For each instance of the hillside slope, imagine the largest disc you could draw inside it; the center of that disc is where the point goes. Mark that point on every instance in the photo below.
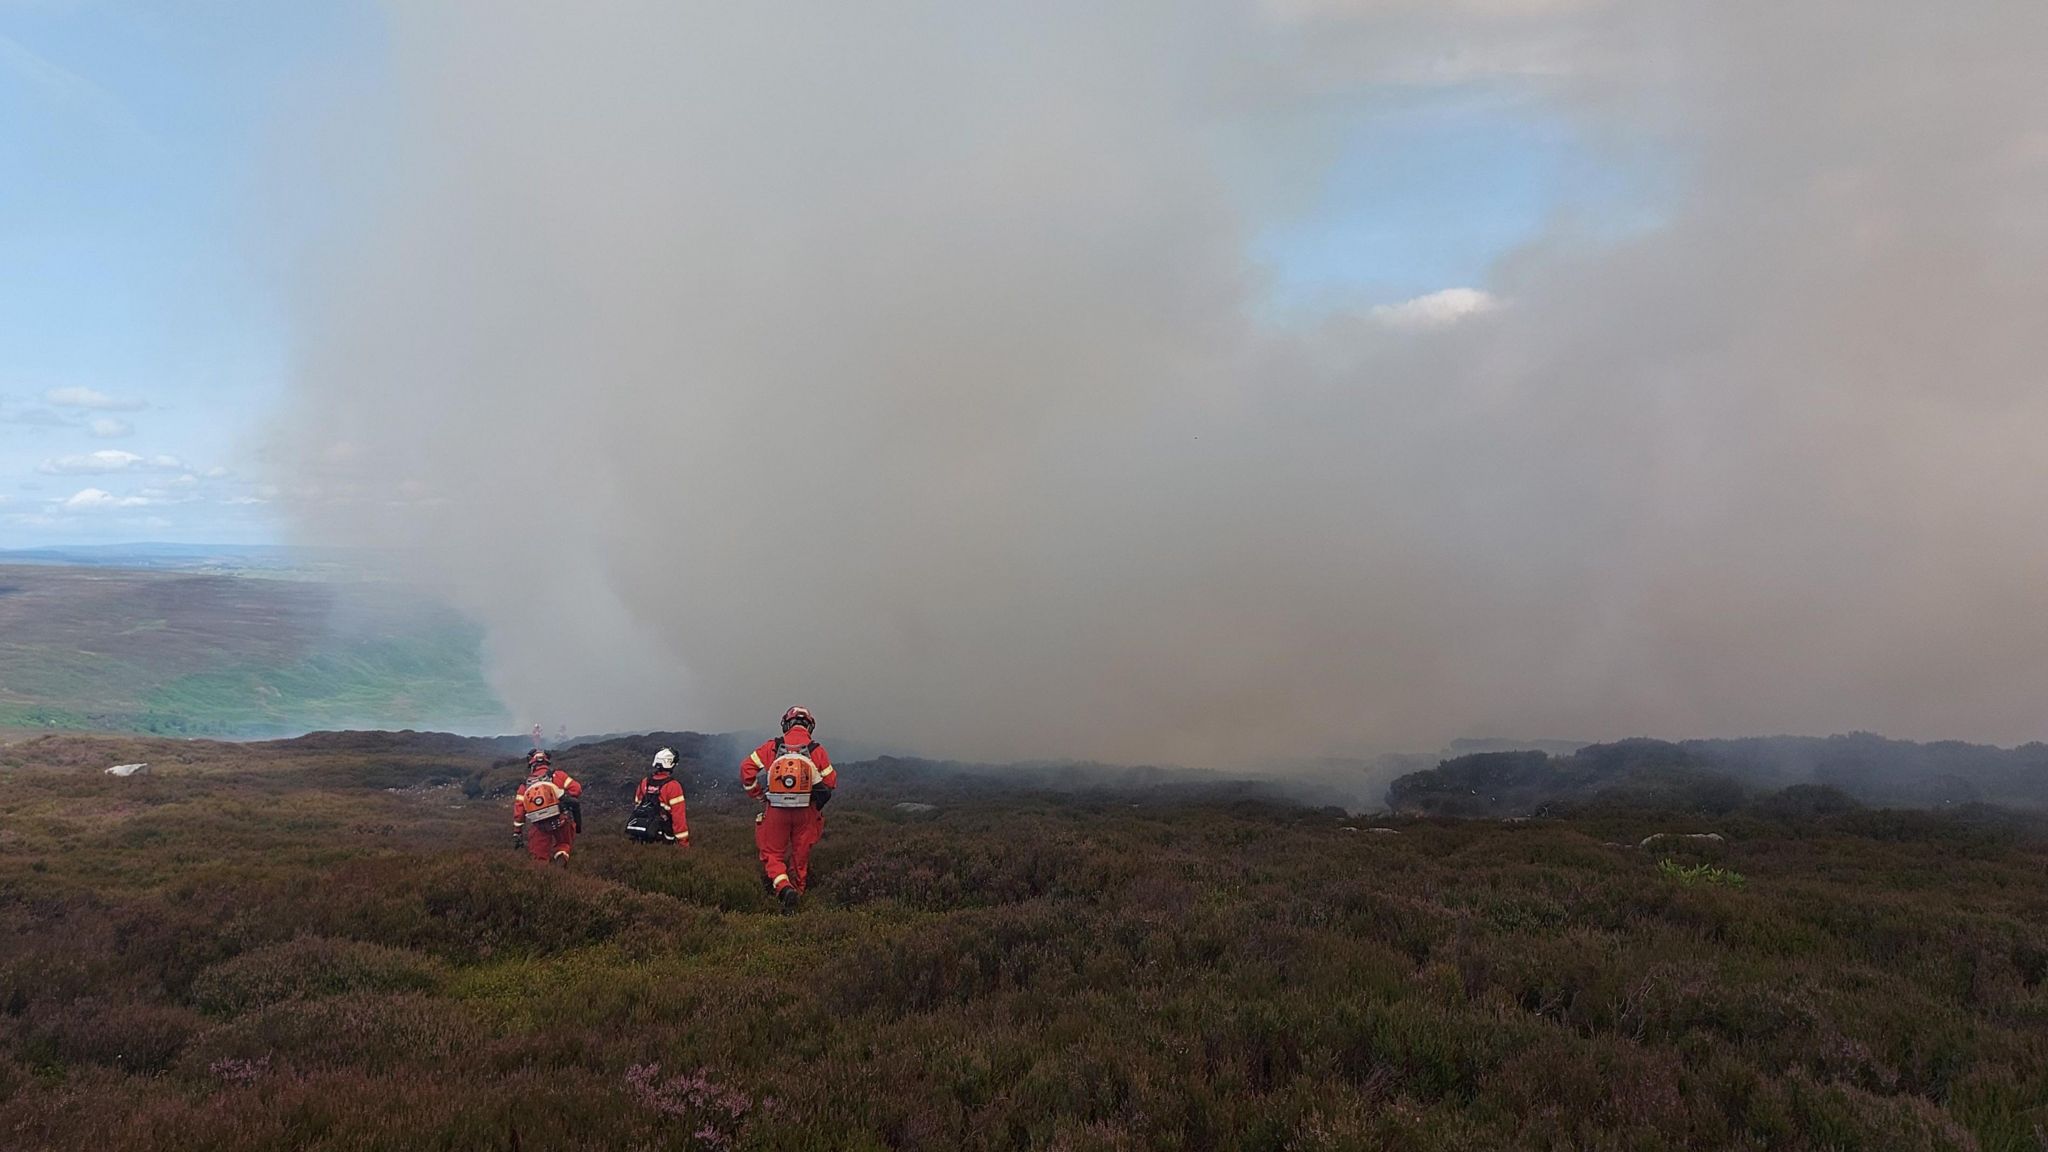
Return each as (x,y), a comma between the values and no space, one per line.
(224,655)
(1715,775)
(330,943)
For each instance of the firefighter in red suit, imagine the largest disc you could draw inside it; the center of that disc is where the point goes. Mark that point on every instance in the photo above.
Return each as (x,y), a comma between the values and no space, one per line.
(546,811)
(662,787)
(792,776)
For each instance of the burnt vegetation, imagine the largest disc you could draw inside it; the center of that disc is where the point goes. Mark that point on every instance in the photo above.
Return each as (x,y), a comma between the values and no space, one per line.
(1723,775)
(328,943)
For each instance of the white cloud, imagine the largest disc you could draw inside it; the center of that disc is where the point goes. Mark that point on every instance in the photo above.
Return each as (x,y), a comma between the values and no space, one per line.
(108,460)
(104,460)
(1436,310)
(89,398)
(107,427)
(95,499)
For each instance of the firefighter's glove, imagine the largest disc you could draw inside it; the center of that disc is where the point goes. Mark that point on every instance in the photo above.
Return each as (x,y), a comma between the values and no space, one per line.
(518,836)
(820,797)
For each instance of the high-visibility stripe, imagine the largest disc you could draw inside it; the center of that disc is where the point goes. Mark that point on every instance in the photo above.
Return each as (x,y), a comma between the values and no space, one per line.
(825,771)
(781,881)
(682,835)
(671,803)
(547,813)
(756,758)
(789,799)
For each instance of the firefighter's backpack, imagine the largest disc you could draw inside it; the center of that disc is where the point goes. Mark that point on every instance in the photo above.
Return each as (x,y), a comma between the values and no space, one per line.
(543,804)
(649,821)
(791,775)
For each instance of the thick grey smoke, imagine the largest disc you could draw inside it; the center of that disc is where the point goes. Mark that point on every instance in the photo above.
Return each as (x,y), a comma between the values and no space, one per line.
(906,360)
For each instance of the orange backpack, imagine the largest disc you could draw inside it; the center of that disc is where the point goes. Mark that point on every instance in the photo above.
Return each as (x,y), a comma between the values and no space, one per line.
(543,802)
(791,775)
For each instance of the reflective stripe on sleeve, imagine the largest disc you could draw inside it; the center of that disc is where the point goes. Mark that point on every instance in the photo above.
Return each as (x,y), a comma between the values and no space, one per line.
(756,758)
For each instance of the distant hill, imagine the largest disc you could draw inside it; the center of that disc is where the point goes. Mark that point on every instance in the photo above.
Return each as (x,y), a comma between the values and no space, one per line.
(178,650)
(1718,774)
(177,557)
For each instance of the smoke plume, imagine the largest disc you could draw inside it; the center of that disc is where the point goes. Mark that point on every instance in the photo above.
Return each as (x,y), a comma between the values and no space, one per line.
(908,361)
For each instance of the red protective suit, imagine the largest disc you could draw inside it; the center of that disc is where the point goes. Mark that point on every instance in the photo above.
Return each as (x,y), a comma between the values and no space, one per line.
(668,791)
(788,825)
(537,808)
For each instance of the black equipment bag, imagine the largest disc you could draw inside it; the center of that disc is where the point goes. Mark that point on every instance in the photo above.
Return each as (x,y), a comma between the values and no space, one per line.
(649,821)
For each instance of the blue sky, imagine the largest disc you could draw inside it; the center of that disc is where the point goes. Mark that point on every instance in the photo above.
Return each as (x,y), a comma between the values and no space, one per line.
(142,346)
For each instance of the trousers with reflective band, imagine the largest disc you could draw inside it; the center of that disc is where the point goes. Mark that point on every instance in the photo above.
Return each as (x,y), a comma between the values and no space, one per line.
(783,838)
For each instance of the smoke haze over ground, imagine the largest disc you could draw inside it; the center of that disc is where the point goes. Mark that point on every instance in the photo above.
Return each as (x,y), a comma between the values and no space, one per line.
(909,361)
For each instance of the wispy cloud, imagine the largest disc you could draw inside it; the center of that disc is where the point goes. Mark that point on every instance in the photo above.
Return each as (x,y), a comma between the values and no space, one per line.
(107,461)
(34,418)
(58,85)
(109,428)
(93,398)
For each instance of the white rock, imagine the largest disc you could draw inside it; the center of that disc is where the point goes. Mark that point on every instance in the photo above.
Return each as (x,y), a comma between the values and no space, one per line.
(1659,837)
(127,769)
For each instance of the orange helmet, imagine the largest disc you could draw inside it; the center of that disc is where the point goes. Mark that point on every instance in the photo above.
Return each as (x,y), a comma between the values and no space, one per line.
(799,715)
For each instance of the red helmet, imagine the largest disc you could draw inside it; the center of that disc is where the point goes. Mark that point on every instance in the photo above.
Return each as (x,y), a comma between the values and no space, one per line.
(799,715)
(536,759)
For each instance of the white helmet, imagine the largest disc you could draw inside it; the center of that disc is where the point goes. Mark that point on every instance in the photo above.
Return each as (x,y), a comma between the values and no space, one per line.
(665,759)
